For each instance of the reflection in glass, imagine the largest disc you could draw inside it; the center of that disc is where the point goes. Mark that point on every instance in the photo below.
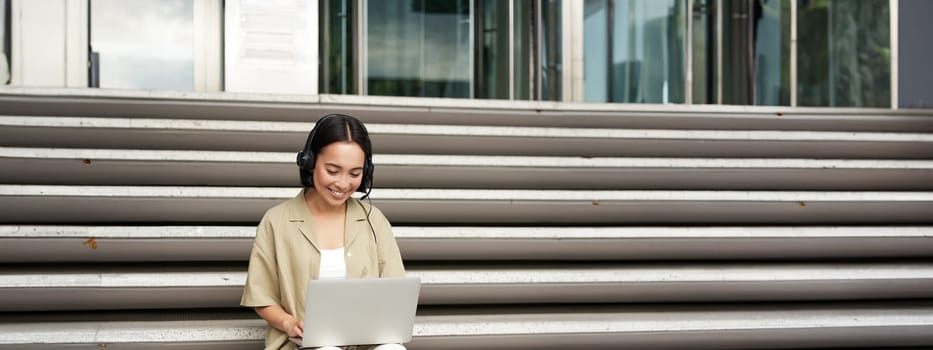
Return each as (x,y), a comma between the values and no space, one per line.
(337,47)
(704,52)
(492,59)
(844,55)
(5,41)
(418,48)
(772,53)
(645,59)
(549,41)
(596,50)
(756,52)
(522,48)
(143,44)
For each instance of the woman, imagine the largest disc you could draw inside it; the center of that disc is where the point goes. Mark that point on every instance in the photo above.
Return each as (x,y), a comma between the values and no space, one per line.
(321,233)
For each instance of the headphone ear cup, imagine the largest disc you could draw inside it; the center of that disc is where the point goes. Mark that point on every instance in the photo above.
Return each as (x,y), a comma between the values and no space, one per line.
(306,165)
(301,160)
(305,161)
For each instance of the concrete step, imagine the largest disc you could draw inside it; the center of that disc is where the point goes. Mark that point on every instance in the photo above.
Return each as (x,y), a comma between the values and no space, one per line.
(104,287)
(65,166)
(75,244)
(408,110)
(712,326)
(264,136)
(39,204)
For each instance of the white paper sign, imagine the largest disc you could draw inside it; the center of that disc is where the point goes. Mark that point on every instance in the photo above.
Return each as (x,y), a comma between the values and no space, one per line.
(271,46)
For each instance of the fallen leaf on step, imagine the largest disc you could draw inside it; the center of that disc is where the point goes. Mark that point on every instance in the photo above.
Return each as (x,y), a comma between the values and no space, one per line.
(91,242)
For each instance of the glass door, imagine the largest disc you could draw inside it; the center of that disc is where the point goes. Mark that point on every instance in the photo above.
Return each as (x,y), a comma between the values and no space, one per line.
(418,48)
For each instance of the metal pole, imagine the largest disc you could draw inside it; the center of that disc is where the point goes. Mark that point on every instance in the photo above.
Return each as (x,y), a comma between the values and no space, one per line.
(511,67)
(688,52)
(359,31)
(610,37)
(719,52)
(894,52)
(793,53)
(539,52)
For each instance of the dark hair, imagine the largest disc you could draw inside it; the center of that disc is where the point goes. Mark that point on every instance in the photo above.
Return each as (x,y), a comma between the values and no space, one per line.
(333,128)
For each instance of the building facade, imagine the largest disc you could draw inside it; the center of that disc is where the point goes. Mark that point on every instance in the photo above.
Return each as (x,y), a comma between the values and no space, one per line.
(737,52)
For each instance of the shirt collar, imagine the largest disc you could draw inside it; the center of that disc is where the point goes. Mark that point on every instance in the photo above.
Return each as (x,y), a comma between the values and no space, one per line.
(299,213)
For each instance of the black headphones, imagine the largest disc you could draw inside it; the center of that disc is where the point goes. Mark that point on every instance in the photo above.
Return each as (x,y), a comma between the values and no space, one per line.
(306,157)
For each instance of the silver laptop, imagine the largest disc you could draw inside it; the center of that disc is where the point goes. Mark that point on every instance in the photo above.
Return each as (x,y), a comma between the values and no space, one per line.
(359,311)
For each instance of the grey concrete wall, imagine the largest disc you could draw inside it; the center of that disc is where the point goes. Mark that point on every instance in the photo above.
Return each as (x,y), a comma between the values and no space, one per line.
(915,59)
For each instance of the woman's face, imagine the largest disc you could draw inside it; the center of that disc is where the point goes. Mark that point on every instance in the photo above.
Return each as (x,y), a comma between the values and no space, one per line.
(338,171)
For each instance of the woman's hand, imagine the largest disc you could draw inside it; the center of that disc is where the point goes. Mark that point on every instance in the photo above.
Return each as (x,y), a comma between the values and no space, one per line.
(293,327)
(282,320)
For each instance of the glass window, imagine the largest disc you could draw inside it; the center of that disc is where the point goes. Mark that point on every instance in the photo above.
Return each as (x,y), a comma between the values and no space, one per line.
(418,48)
(337,47)
(844,53)
(142,44)
(645,55)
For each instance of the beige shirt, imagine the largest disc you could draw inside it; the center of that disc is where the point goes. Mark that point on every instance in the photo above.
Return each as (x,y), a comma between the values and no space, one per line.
(286,255)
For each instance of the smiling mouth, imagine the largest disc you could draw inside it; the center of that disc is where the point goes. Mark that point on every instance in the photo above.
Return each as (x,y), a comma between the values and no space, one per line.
(338,194)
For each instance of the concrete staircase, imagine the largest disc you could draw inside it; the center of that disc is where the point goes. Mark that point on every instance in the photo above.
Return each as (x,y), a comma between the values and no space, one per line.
(126,219)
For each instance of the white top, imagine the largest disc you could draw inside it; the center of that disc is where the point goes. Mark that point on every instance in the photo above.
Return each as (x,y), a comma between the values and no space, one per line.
(333,266)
